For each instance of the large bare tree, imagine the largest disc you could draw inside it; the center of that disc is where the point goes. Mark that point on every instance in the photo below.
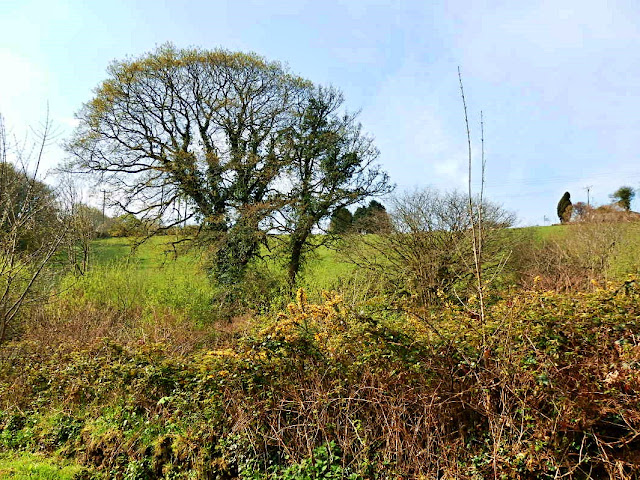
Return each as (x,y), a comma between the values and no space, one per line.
(428,252)
(237,138)
(194,126)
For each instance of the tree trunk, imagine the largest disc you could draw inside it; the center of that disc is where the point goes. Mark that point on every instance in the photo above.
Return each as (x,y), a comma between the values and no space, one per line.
(296,244)
(294,261)
(3,329)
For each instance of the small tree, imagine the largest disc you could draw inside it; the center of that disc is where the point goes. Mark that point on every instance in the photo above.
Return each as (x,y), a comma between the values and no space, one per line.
(564,208)
(85,222)
(31,230)
(330,163)
(427,252)
(372,219)
(127,225)
(623,197)
(581,212)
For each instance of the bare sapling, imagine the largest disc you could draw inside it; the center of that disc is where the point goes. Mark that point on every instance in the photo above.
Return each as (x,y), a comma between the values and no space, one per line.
(475,217)
(31,231)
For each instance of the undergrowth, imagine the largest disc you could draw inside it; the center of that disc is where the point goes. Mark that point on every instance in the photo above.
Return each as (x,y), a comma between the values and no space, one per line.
(548,387)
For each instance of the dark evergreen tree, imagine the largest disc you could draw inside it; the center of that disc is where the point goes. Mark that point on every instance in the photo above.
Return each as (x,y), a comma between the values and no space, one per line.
(564,208)
(358,218)
(341,221)
(372,218)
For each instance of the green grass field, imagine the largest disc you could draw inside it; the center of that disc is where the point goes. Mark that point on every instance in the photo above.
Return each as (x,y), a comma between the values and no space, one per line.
(151,278)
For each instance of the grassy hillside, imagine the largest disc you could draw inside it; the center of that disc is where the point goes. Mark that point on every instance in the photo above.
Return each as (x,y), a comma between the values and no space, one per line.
(151,278)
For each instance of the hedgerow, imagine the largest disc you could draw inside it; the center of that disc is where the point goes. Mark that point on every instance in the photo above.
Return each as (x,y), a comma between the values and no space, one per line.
(546,387)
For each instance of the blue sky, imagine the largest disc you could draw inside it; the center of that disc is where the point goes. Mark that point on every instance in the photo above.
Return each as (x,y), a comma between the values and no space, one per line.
(558,82)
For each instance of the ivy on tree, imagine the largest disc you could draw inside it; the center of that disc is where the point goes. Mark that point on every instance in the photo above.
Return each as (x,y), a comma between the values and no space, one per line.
(330,165)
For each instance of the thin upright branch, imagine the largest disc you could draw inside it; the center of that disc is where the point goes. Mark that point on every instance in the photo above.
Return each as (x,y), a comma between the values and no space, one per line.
(475,232)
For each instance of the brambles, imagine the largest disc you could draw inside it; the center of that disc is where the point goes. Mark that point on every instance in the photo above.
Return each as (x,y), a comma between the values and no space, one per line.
(548,388)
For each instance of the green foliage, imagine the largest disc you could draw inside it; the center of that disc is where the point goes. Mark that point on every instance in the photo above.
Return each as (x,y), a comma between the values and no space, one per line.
(623,197)
(372,219)
(324,464)
(341,220)
(127,225)
(31,232)
(29,467)
(330,164)
(220,131)
(328,385)
(23,197)
(178,287)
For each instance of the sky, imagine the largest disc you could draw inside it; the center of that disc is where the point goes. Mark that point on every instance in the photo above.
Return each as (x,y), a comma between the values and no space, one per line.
(558,82)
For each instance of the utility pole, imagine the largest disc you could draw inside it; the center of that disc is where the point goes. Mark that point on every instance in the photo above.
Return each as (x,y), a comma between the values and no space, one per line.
(104,201)
(588,189)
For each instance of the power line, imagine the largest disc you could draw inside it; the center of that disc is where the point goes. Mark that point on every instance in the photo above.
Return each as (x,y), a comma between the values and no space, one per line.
(560,179)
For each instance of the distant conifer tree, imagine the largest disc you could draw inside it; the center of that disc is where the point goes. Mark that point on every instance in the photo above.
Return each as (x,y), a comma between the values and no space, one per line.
(340,220)
(564,208)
